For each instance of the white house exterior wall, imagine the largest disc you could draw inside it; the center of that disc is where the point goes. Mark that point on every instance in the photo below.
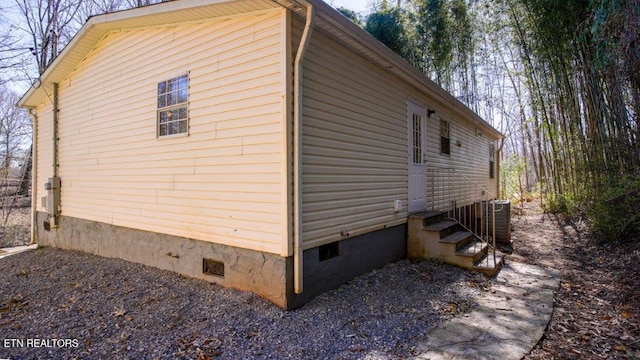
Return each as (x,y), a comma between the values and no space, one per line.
(462,175)
(45,151)
(223,182)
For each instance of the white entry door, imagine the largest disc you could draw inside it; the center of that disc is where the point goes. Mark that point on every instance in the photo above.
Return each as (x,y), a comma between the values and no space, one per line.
(417,125)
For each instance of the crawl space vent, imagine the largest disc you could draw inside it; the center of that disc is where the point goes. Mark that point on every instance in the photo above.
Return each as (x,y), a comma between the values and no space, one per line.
(212,267)
(329,251)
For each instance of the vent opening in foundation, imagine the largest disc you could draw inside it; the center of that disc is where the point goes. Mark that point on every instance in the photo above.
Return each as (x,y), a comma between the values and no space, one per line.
(329,251)
(212,267)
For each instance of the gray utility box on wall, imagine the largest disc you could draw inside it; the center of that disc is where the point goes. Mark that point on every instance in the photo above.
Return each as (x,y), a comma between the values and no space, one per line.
(53,195)
(503,218)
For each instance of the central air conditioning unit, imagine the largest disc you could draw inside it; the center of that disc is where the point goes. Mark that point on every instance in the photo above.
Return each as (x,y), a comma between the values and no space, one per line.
(502,218)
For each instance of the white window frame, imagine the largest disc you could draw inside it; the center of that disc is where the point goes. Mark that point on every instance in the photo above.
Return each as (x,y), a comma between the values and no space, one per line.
(172,107)
(445,137)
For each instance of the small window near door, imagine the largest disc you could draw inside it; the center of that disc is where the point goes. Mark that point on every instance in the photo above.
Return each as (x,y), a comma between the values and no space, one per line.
(417,140)
(445,140)
(492,161)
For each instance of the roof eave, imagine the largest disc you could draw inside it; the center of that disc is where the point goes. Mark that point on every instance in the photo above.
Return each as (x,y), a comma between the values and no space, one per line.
(388,60)
(95,29)
(330,20)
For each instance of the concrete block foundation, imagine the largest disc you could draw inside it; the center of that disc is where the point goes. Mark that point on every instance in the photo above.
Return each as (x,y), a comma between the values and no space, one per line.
(357,256)
(263,273)
(268,275)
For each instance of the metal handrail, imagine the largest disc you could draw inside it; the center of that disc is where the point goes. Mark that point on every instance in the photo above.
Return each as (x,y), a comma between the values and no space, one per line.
(446,184)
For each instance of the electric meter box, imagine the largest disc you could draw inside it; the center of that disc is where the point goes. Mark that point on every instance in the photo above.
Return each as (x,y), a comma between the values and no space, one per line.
(53,195)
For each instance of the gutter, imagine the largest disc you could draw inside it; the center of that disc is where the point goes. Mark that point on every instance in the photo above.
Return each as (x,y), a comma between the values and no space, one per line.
(297,152)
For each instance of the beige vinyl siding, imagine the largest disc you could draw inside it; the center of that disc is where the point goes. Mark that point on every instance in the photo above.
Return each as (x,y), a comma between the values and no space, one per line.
(286,133)
(221,183)
(462,175)
(44,159)
(354,138)
(355,156)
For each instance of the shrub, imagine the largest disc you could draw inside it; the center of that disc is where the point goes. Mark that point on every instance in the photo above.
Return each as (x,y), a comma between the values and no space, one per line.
(559,204)
(615,214)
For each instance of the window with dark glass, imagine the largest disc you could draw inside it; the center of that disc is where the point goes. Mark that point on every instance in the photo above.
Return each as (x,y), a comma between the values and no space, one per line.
(173,111)
(492,161)
(445,140)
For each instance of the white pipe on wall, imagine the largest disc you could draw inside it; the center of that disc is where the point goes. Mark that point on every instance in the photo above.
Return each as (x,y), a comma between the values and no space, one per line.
(297,153)
(34,176)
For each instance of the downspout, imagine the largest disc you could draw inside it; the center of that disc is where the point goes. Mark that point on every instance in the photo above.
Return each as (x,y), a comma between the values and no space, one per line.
(297,152)
(55,130)
(34,175)
(54,183)
(498,157)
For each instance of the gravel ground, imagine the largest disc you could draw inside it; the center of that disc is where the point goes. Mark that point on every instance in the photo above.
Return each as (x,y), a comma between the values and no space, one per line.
(17,231)
(109,308)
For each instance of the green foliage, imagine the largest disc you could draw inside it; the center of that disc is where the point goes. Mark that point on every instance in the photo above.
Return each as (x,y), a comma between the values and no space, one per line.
(435,28)
(604,31)
(615,214)
(435,36)
(511,171)
(560,204)
(351,15)
(461,30)
(394,28)
(387,27)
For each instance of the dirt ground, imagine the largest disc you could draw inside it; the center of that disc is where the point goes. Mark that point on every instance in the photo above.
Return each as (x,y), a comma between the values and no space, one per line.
(597,307)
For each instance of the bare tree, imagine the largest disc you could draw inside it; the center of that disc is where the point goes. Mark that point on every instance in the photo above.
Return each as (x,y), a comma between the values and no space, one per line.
(89,8)
(15,128)
(9,58)
(15,136)
(50,24)
(47,22)
(141,3)
(11,50)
